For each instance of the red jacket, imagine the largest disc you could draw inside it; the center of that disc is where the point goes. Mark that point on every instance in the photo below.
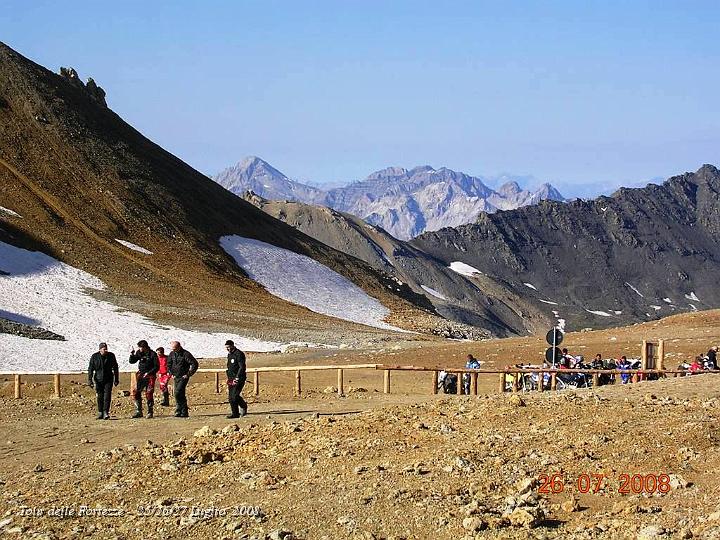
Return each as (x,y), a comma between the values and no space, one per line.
(163,364)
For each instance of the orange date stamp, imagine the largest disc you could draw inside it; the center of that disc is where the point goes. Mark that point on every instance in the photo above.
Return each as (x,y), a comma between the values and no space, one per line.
(596,482)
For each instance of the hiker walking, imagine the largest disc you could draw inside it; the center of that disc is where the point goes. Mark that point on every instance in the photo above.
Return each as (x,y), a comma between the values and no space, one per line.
(163,376)
(236,377)
(102,373)
(148,366)
(181,365)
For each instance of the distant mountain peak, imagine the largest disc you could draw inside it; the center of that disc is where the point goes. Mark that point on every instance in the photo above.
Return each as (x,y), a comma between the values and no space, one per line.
(387,172)
(405,202)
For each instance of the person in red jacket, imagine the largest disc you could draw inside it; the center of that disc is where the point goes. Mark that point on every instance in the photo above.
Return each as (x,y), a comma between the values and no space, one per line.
(697,365)
(163,376)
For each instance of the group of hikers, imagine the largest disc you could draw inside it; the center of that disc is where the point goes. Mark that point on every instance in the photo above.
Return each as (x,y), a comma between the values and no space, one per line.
(157,367)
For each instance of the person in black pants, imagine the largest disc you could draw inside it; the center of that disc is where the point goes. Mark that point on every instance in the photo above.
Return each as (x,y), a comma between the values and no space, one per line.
(182,365)
(236,377)
(148,366)
(102,373)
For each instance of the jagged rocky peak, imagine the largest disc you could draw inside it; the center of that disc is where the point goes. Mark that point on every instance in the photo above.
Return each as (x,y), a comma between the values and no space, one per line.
(91,88)
(388,172)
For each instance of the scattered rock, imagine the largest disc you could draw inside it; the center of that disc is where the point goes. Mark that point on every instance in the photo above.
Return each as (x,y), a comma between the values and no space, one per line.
(516,401)
(205,431)
(650,532)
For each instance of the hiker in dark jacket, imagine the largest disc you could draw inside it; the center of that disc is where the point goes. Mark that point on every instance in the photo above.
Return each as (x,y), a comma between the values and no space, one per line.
(712,357)
(148,366)
(181,365)
(236,377)
(102,373)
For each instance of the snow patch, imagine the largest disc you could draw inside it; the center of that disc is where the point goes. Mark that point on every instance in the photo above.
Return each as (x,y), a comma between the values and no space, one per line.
(9,212)
(693,307)
(433,292)
(464,269)
(548,302)
(134,247)
(42,291)
(667,300)
(561,325)
(617,312)
(304,281)
(634,289)
(656,308)
(530,286)
(692,296)
(601,313)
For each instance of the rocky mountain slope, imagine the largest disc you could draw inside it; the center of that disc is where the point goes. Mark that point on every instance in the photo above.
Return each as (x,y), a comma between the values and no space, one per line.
(469,299)
(636,255)
(403,202)
(74,178)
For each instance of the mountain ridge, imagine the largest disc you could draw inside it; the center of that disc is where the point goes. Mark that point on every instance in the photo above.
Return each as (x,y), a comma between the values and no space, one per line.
(405,202)
(655,250)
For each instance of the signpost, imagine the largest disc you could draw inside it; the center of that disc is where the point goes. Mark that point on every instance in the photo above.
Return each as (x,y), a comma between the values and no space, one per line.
(554,338)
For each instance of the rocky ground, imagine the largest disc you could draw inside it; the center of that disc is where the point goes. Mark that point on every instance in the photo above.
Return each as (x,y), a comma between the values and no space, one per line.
(372,465)
(27,330)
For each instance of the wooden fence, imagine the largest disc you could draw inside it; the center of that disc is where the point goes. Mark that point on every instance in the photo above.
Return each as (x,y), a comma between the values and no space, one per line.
(637,375)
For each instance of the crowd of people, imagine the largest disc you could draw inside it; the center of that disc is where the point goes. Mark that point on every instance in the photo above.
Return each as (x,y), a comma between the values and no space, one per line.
(153,366)
(448,382)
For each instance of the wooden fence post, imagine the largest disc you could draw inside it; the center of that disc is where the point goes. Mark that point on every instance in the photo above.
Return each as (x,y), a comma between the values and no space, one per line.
(217,383)
(502,383)
(387,381)
(661,355)
(256,383)
(340,385)
(58,391)
(596,380)
(541,382)
(435,382)
(515,382)
(18,390)
(474,383)
(461,384)
(298,387)
(553,381)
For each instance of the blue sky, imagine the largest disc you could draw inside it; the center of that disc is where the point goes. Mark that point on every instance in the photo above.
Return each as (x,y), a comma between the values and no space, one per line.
(587,95)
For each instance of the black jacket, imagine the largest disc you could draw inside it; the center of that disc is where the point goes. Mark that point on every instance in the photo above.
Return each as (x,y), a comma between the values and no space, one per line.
(103,369)
(236,365)
(712,358)
(147,362)
(182,363)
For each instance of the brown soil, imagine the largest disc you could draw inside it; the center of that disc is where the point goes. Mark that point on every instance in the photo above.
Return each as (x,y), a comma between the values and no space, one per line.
(371,465)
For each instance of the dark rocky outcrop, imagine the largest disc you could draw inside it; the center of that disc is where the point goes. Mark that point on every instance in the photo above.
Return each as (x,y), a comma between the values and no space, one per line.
(636,255)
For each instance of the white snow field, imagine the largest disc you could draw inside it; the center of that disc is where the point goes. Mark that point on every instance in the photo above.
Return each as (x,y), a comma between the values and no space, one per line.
(692,296)
(635,290)
(134,247)
(9,212)
(433,292)
(464,269)
(597,312)
(304,281)
(42,291)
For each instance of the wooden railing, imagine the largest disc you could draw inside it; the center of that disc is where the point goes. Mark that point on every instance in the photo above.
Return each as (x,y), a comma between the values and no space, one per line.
(636,375)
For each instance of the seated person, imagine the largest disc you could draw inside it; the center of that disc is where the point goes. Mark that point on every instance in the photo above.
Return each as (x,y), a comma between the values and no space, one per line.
(697,365)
